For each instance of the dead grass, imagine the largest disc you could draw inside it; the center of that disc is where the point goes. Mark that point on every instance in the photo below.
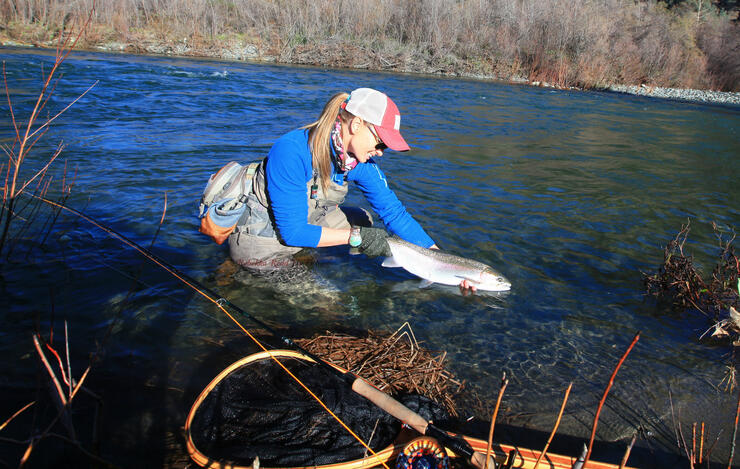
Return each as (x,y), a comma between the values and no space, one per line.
(597,43)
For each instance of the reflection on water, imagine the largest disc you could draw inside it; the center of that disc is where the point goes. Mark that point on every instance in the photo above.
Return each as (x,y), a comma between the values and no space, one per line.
(570,195)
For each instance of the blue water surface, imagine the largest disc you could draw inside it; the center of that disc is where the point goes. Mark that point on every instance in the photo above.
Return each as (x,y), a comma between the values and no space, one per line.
(572,195)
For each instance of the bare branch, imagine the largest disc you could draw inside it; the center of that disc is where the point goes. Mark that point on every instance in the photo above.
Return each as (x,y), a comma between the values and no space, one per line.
(54,157)
(69,364)
(8,153)
(10,105)
(52,375)
(78,386)
(5,424)
(46,124)
(555,428)
(603,398)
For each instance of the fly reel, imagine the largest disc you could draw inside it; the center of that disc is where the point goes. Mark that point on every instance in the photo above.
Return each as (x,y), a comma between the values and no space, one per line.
(423,453)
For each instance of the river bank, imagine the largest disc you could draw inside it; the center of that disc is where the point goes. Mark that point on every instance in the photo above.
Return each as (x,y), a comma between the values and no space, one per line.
(341,55)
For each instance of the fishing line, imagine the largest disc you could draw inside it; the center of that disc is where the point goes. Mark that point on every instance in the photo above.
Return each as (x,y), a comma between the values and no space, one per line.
(220,303)
(380,399)
(140,282)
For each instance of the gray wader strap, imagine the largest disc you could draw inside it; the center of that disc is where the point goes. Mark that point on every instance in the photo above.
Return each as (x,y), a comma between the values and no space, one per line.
(247,184)
(247,181)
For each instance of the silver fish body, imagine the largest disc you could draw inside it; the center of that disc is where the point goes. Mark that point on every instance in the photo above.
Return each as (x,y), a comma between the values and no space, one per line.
(440,267)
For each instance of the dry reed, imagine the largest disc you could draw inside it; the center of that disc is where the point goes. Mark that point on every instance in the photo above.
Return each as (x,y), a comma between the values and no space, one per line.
(606,392)
(555,428)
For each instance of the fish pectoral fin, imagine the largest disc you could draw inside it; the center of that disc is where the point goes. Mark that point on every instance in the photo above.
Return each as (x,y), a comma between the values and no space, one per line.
(425,283)
(391,262)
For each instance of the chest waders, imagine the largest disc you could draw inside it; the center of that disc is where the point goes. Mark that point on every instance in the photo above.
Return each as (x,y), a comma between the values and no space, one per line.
(256,244)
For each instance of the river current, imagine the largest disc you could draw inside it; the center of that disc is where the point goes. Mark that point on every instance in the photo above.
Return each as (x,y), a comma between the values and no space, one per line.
(572,195)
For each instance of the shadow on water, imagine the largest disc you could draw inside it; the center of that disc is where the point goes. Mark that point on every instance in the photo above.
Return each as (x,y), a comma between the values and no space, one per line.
(129,316)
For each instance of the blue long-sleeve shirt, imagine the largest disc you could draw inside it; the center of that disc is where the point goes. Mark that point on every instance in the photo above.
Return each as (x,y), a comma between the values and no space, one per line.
(288,170)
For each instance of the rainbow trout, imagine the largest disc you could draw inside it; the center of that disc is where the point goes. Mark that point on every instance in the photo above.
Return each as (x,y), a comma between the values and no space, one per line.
(439,267)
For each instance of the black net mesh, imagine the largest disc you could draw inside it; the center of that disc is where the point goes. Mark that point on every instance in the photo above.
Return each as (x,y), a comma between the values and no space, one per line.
(259,410)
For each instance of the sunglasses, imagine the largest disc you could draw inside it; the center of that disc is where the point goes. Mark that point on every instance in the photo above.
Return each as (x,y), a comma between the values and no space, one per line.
(379,145)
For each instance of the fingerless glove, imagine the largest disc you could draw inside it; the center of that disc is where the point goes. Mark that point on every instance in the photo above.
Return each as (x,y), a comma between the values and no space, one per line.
(374,242)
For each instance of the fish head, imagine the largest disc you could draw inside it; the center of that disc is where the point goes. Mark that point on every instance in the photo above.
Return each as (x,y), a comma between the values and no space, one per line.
(493,281)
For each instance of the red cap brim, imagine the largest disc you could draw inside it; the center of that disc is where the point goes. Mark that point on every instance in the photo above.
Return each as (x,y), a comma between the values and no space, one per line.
(392,138)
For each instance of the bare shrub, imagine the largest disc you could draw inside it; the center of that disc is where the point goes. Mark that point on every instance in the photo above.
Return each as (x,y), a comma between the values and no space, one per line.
(719,39)
(591,43)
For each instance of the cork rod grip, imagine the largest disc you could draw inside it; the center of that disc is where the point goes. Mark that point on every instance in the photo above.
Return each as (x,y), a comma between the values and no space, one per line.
(390,405)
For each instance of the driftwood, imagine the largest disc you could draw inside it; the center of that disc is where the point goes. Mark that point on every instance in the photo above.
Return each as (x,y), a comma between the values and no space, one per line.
(394,364)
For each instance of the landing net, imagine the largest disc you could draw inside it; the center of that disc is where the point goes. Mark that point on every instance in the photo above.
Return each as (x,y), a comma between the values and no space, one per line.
(255,409)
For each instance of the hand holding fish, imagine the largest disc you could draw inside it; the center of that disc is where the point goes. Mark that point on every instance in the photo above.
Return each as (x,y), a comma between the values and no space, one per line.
(374,242)
(466,286)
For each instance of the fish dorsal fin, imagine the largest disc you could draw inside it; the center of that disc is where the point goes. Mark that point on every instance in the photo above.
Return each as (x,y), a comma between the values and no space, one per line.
(391,262)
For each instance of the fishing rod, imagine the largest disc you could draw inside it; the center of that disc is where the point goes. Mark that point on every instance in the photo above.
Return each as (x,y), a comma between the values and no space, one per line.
(357,384)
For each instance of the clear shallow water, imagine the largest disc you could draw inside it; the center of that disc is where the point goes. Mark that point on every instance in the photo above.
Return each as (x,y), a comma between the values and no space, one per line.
(571,195)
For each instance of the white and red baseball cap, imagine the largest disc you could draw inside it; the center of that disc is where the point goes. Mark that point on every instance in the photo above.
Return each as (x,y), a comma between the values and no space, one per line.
(378,109)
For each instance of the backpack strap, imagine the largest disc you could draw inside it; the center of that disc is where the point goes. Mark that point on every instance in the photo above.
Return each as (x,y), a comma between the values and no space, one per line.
(247,181)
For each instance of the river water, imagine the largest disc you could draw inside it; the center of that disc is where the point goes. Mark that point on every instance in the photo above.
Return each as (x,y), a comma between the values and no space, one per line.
(572,195)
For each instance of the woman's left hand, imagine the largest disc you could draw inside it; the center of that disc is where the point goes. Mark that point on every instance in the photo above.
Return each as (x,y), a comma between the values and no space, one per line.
(465,286)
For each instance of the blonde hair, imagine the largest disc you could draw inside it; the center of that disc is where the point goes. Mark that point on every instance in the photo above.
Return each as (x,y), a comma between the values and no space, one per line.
(319,136)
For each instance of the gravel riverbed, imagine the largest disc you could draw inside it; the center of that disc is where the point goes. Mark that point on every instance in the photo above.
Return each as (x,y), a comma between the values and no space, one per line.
(706,96)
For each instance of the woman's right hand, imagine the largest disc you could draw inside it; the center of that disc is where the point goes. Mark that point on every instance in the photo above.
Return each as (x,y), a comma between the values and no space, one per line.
(374,242)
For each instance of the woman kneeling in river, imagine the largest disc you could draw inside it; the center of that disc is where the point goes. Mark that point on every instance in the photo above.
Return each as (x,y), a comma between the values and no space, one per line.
(298,189)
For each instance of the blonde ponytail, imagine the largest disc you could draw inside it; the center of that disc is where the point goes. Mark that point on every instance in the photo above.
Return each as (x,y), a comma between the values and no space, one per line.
(319,137)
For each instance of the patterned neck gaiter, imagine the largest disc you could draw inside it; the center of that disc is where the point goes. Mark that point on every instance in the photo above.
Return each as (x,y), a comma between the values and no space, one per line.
(343,161)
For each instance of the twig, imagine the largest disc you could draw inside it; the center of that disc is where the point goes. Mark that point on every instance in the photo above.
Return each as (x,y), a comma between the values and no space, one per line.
(701,444)
(27,453)
(5,424)
(10,105)
(673,418)
(683,440)
(69,364)
(557,423)
(603,398)
(692,459)
(711,448)
(395,363)
(627,452)
(504,383)
(78,386)
(164,210)
(42,170)
(734,432)
(46,124)
(52,375)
